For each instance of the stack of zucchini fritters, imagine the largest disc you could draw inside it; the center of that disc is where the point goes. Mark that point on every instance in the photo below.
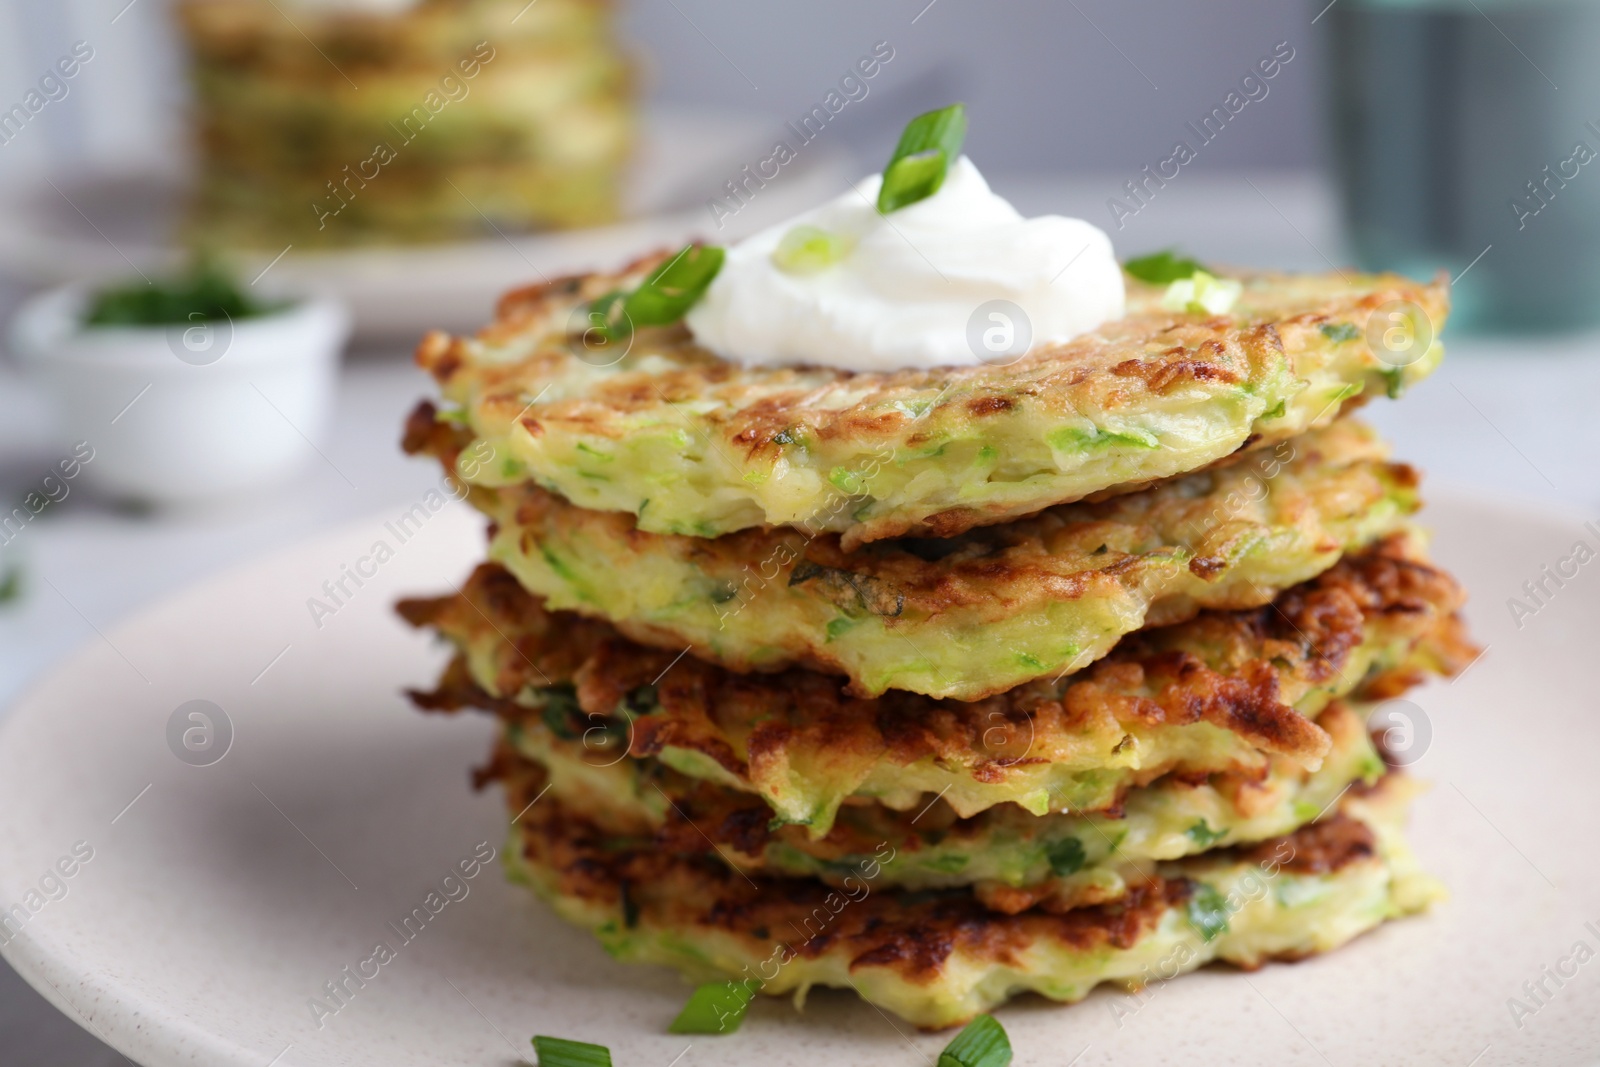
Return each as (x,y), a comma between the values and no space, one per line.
(947,685)
(338,124)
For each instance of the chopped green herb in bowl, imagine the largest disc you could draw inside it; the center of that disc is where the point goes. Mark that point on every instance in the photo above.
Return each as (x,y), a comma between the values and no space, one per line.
(204,292)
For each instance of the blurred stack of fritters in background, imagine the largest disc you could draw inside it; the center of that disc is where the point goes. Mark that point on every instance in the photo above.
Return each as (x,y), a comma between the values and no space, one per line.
(443,120)
(952,684)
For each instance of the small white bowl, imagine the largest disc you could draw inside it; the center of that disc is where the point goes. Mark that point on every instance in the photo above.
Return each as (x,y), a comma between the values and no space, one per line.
(179,415)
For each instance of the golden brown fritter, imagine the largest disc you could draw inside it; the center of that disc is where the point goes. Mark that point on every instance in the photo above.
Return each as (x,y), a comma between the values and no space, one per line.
(691,444)
(968,616)
(1012,860)
(938,958)
(1222,692)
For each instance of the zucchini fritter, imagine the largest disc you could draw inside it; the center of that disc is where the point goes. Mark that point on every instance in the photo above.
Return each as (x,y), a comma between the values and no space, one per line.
(691,444)
(972,615)
(939,958)
(473,118)
(1223,692)
(1013,860)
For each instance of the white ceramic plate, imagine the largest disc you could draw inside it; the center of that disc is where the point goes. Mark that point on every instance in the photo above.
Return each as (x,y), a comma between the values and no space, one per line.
(220,899)
(96,226)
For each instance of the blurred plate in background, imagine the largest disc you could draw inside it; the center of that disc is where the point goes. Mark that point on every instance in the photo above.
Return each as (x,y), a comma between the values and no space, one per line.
(99,227)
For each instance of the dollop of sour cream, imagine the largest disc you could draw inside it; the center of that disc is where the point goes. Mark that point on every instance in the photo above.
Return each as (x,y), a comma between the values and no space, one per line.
(933,284)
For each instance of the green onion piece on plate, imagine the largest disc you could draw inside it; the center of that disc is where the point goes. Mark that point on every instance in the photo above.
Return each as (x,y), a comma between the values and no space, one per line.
(559,1052)
(916,171)
(1159,268)
(983,1043)
(714,1008)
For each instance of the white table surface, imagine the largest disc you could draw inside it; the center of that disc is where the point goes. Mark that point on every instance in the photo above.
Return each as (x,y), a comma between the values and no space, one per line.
(1513,417)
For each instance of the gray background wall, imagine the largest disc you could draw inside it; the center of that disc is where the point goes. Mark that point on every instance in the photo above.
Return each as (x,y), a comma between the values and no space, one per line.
(1085,85)
(1046,82)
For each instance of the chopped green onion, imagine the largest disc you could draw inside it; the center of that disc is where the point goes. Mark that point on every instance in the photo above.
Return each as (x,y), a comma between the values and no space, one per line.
(663,297)
(608,321)
(559,1052)
(675,288)
(205,292)
(929,144)
(11,584)
(1207,911)
(809,250)
(983,1043)
(1202,294)
(1159,268)
(714,1008)
(1203,835)
(912,179)
(1066,857)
